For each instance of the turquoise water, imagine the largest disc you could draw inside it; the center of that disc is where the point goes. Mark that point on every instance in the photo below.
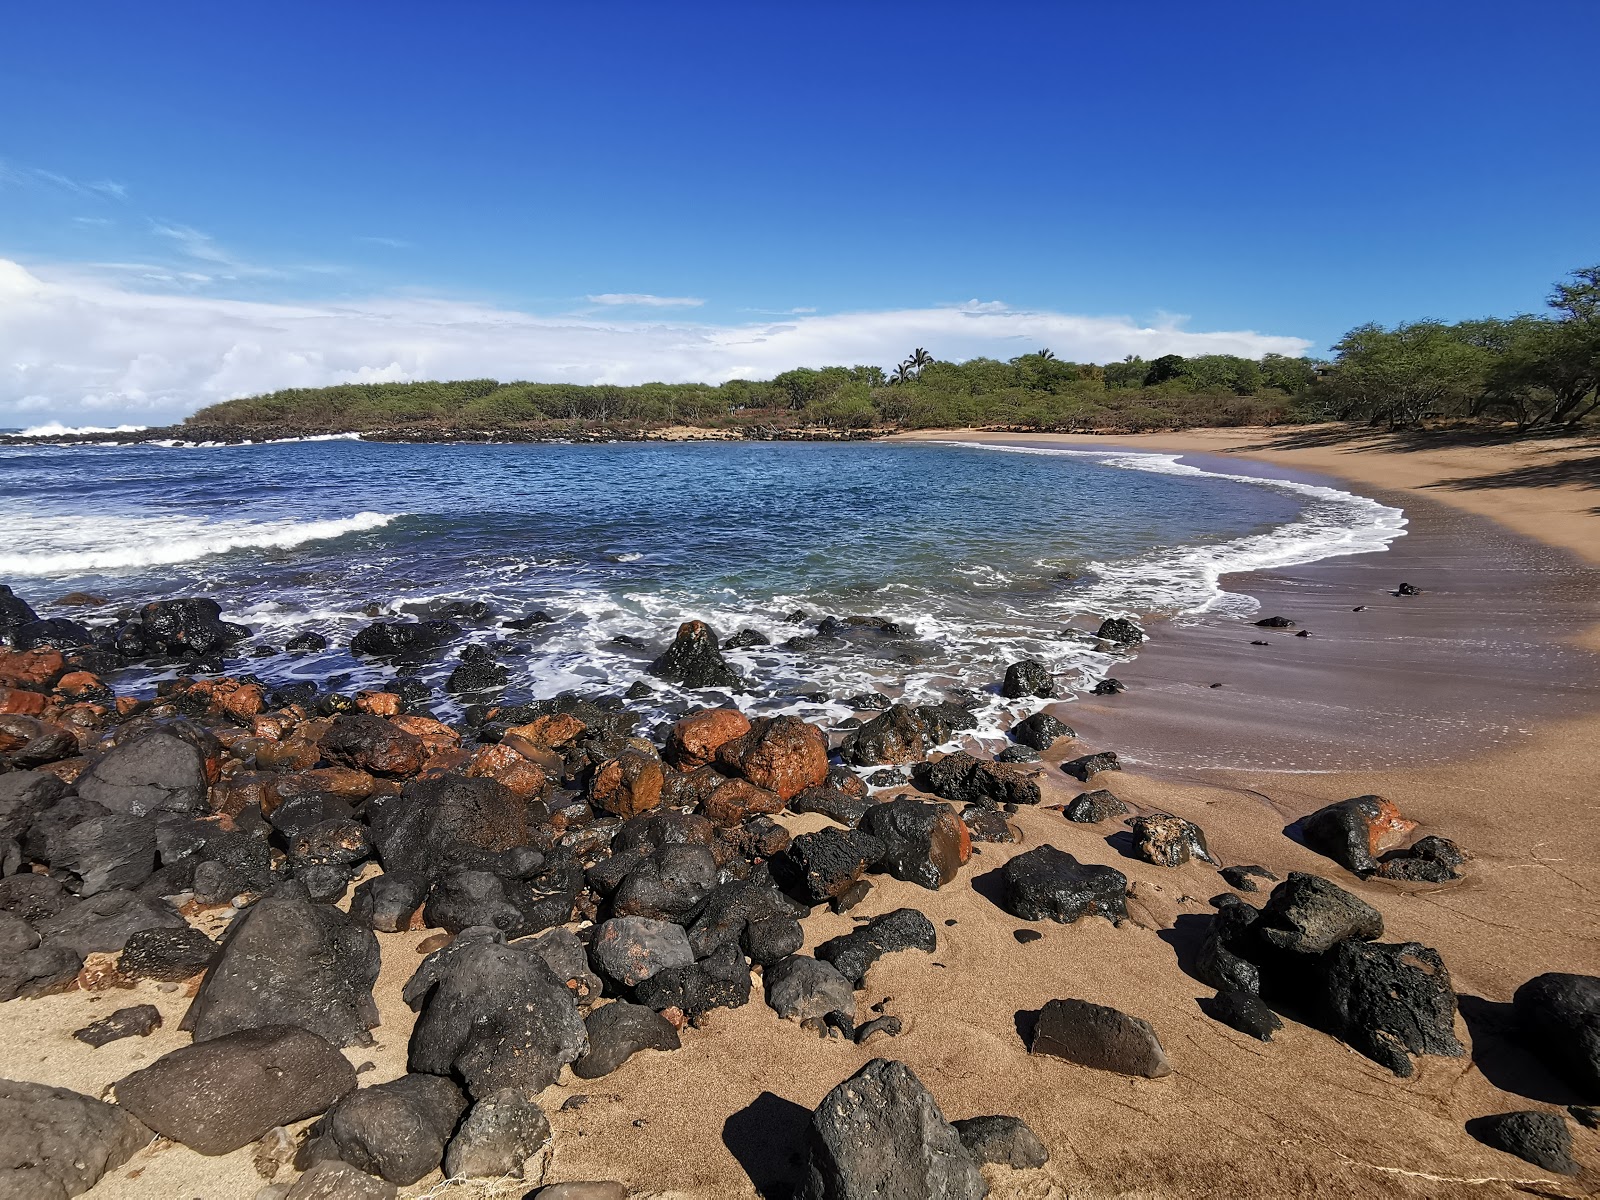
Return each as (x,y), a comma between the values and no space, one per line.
(983,555)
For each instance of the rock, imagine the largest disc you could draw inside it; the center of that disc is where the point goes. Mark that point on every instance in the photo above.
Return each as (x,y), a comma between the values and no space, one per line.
(1243,1011)
(117,850)
(477,676)
(41,971)
(1089,765)
(1541,1138)
(721,980)
(1406,589)
(667,885)
(629,784)
(1100,1037)
(1017,754)
(141,1020)
(1049,884)
(373,744)
(737,800)
(1004,1140)
(833,803)
(289,961)
(156,772)
(751,913)
(801,988)
(629,950)
(16,935)
(988,825)
(337,843)
(1121,631)
(464,899)
(1169,841)
(449,823)
(695,660)
(1110,686)
(618,1031)
(1275,623)
(1307,914)
(103,923)
(693,742)
(14,613)
(854,952)
(1041,731)
(879,1135)
(392,639)
(1390,1000)
(1244,877)
(1584,1115)
(924,843)
(306,643)
(396,1131)
(55,1142)
(1559,1016)
(1432,859)
(32,898)
(500,1138)
(827,863)
(568,960)
(56,633)
(219,1095)
(895,736)
(1226,953)
(888,1026)
(1089,808)
(190,627)
(943,721)
(387,902)
(968,780)
(492,1015)
(1355,832)
(1027,678)
(334,1180)
(584,1190)
(784,755)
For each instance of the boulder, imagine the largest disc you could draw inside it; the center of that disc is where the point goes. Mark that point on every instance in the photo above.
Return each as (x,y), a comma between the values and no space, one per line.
(1244,1011)
(629,950)
(1558,1015)
(1041,731)
(190,627)
(750,913)
(1100,1037)
(693,742)
(588,1189)
(1049,884)
(396,1131)
(1089,765)
(837,804)
(854,952)
(392,639)
(879,1135)
(219,1095)
(1169,841)
(737,800)
(1227,953)
(500,1138)
(1089,808)
(1541,1138)
(1112,686)
(14,613)
(1028,678)
(618,1031)
(720,980)
(447,823)
(667,885)
(1432,859)
(332,1180)
(387,902)
(1006,1141)
(988,825)
(801,988)
(289,961)
(478,676)
(1307,914)
(1121,631)
(56,633)
(629,784)
(896,735)
(463,899)
(1354,833)
(1390,1001)
(156,772)
(493,1016)
(968,780)
(824,864)
(41,971)
(103,923)
(117,850)
(924,843)
(55,1142)
(373,744)
(1275,623)
(784,755)
(695,660)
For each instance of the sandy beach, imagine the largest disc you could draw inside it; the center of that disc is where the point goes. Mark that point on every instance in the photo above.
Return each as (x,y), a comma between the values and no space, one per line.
(1475,707)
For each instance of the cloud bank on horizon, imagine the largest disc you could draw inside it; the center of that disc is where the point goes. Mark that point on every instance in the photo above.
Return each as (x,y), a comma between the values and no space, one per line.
(78,349)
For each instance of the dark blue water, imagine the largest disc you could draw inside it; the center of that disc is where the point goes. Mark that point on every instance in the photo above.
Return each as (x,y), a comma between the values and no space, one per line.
(988,555)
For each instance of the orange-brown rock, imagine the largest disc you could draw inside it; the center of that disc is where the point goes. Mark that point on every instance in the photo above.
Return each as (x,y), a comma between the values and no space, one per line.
(373,744)
(237,792)
(782,754)
(435,735)
(36,669)
(379,704)
(514,772)
(21,702)
(296,754)
(242,700)
(1355,832)
(444,762)
(271,726)
(82,685)
(128,705)
(738,800)
(629,784)
(81,600)
(548,732)
(694,741)
(336,781)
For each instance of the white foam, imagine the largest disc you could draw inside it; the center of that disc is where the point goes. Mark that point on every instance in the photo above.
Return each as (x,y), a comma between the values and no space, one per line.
(1187,579)
(108,543)
(57,429)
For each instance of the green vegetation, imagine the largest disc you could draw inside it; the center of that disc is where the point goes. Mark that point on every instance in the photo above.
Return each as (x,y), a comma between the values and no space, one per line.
(1530,370)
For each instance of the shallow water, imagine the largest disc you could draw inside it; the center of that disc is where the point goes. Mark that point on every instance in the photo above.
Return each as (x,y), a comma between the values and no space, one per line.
(984,554)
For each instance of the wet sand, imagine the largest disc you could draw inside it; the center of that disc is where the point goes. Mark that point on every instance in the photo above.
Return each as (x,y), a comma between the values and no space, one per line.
(1472,706)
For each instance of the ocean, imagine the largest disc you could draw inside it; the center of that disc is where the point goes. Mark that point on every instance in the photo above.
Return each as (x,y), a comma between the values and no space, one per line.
(979,555)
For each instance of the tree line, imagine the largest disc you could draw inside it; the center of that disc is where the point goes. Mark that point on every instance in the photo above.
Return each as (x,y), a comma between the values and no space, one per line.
(1532,370)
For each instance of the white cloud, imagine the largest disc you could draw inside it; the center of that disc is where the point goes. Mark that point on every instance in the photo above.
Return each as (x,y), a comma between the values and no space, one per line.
(392,242)
(18,175)
(645,300)
(81,348)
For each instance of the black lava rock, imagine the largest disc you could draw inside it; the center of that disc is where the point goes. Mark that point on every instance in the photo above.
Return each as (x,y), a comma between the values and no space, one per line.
(903,929)
(1050,884)
(695,660)
(392,639)
(1027,678)
(619,1030)
(1089,808)
(1541,1138)
(1558,1015)
(1243,1011)
(1041,731)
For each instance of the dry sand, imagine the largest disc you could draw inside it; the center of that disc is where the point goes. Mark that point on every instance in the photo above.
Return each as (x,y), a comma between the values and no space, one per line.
(1302,1116)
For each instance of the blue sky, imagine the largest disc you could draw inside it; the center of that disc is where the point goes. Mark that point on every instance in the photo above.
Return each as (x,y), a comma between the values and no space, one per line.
(1092,174)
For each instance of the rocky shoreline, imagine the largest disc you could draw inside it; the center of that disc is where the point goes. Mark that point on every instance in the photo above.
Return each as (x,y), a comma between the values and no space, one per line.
(587,895)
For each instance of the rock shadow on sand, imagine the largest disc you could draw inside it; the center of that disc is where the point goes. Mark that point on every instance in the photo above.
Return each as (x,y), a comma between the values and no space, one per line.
(768,1137)
(1499,1053)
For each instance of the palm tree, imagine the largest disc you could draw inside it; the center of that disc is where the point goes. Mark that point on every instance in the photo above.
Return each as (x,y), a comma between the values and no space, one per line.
(1047,354)
(919,358)
(903,373)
